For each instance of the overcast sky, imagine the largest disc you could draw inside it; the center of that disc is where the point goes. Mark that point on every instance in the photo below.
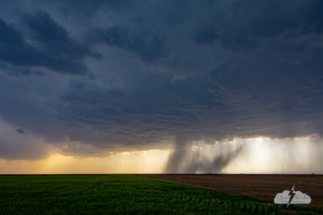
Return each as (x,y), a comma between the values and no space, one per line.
(93,78)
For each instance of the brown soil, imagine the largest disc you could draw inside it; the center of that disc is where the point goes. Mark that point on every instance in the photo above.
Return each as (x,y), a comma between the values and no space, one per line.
(263,187)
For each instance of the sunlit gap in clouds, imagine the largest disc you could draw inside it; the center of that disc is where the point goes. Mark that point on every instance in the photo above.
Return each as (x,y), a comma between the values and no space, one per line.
(135,162)
(301,155)
(262,155)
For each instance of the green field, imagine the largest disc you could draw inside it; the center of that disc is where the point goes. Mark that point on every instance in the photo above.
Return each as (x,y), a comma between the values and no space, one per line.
(117,194)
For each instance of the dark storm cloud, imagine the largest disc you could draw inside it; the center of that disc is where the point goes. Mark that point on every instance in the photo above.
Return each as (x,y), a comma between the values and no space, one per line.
(205,36)
(202,71)
(18,72)
(56,38)
(145,45)
(87,9)
(50,47)
(265,20)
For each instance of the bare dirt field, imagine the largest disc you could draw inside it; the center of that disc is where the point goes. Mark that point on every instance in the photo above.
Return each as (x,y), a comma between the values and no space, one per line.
(263,187)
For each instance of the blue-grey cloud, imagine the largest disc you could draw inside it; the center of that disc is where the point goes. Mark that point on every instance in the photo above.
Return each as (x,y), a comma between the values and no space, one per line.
(19,72)
(145,45)
(205,36)
(50,46)
(56,38)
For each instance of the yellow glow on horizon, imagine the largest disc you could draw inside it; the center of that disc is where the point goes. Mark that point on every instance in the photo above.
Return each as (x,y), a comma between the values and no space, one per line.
(145,162)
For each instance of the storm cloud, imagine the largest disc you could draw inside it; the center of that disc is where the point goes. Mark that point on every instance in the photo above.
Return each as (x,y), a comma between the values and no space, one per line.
(113,76)
(49,46)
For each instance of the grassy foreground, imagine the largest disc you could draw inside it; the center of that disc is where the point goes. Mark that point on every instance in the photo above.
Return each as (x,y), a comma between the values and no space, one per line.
(117,194)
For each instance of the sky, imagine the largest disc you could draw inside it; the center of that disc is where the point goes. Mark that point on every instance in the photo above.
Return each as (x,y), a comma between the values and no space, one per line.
(161,86)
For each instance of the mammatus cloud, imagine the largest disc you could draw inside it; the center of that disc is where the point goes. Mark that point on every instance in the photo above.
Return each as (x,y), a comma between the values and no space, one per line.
(109,76)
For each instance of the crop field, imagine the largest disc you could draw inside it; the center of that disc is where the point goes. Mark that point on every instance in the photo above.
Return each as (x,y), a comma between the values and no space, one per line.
(117,194)
(264,187)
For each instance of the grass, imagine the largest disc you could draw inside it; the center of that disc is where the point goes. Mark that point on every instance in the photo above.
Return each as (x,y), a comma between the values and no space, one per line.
(117,194)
